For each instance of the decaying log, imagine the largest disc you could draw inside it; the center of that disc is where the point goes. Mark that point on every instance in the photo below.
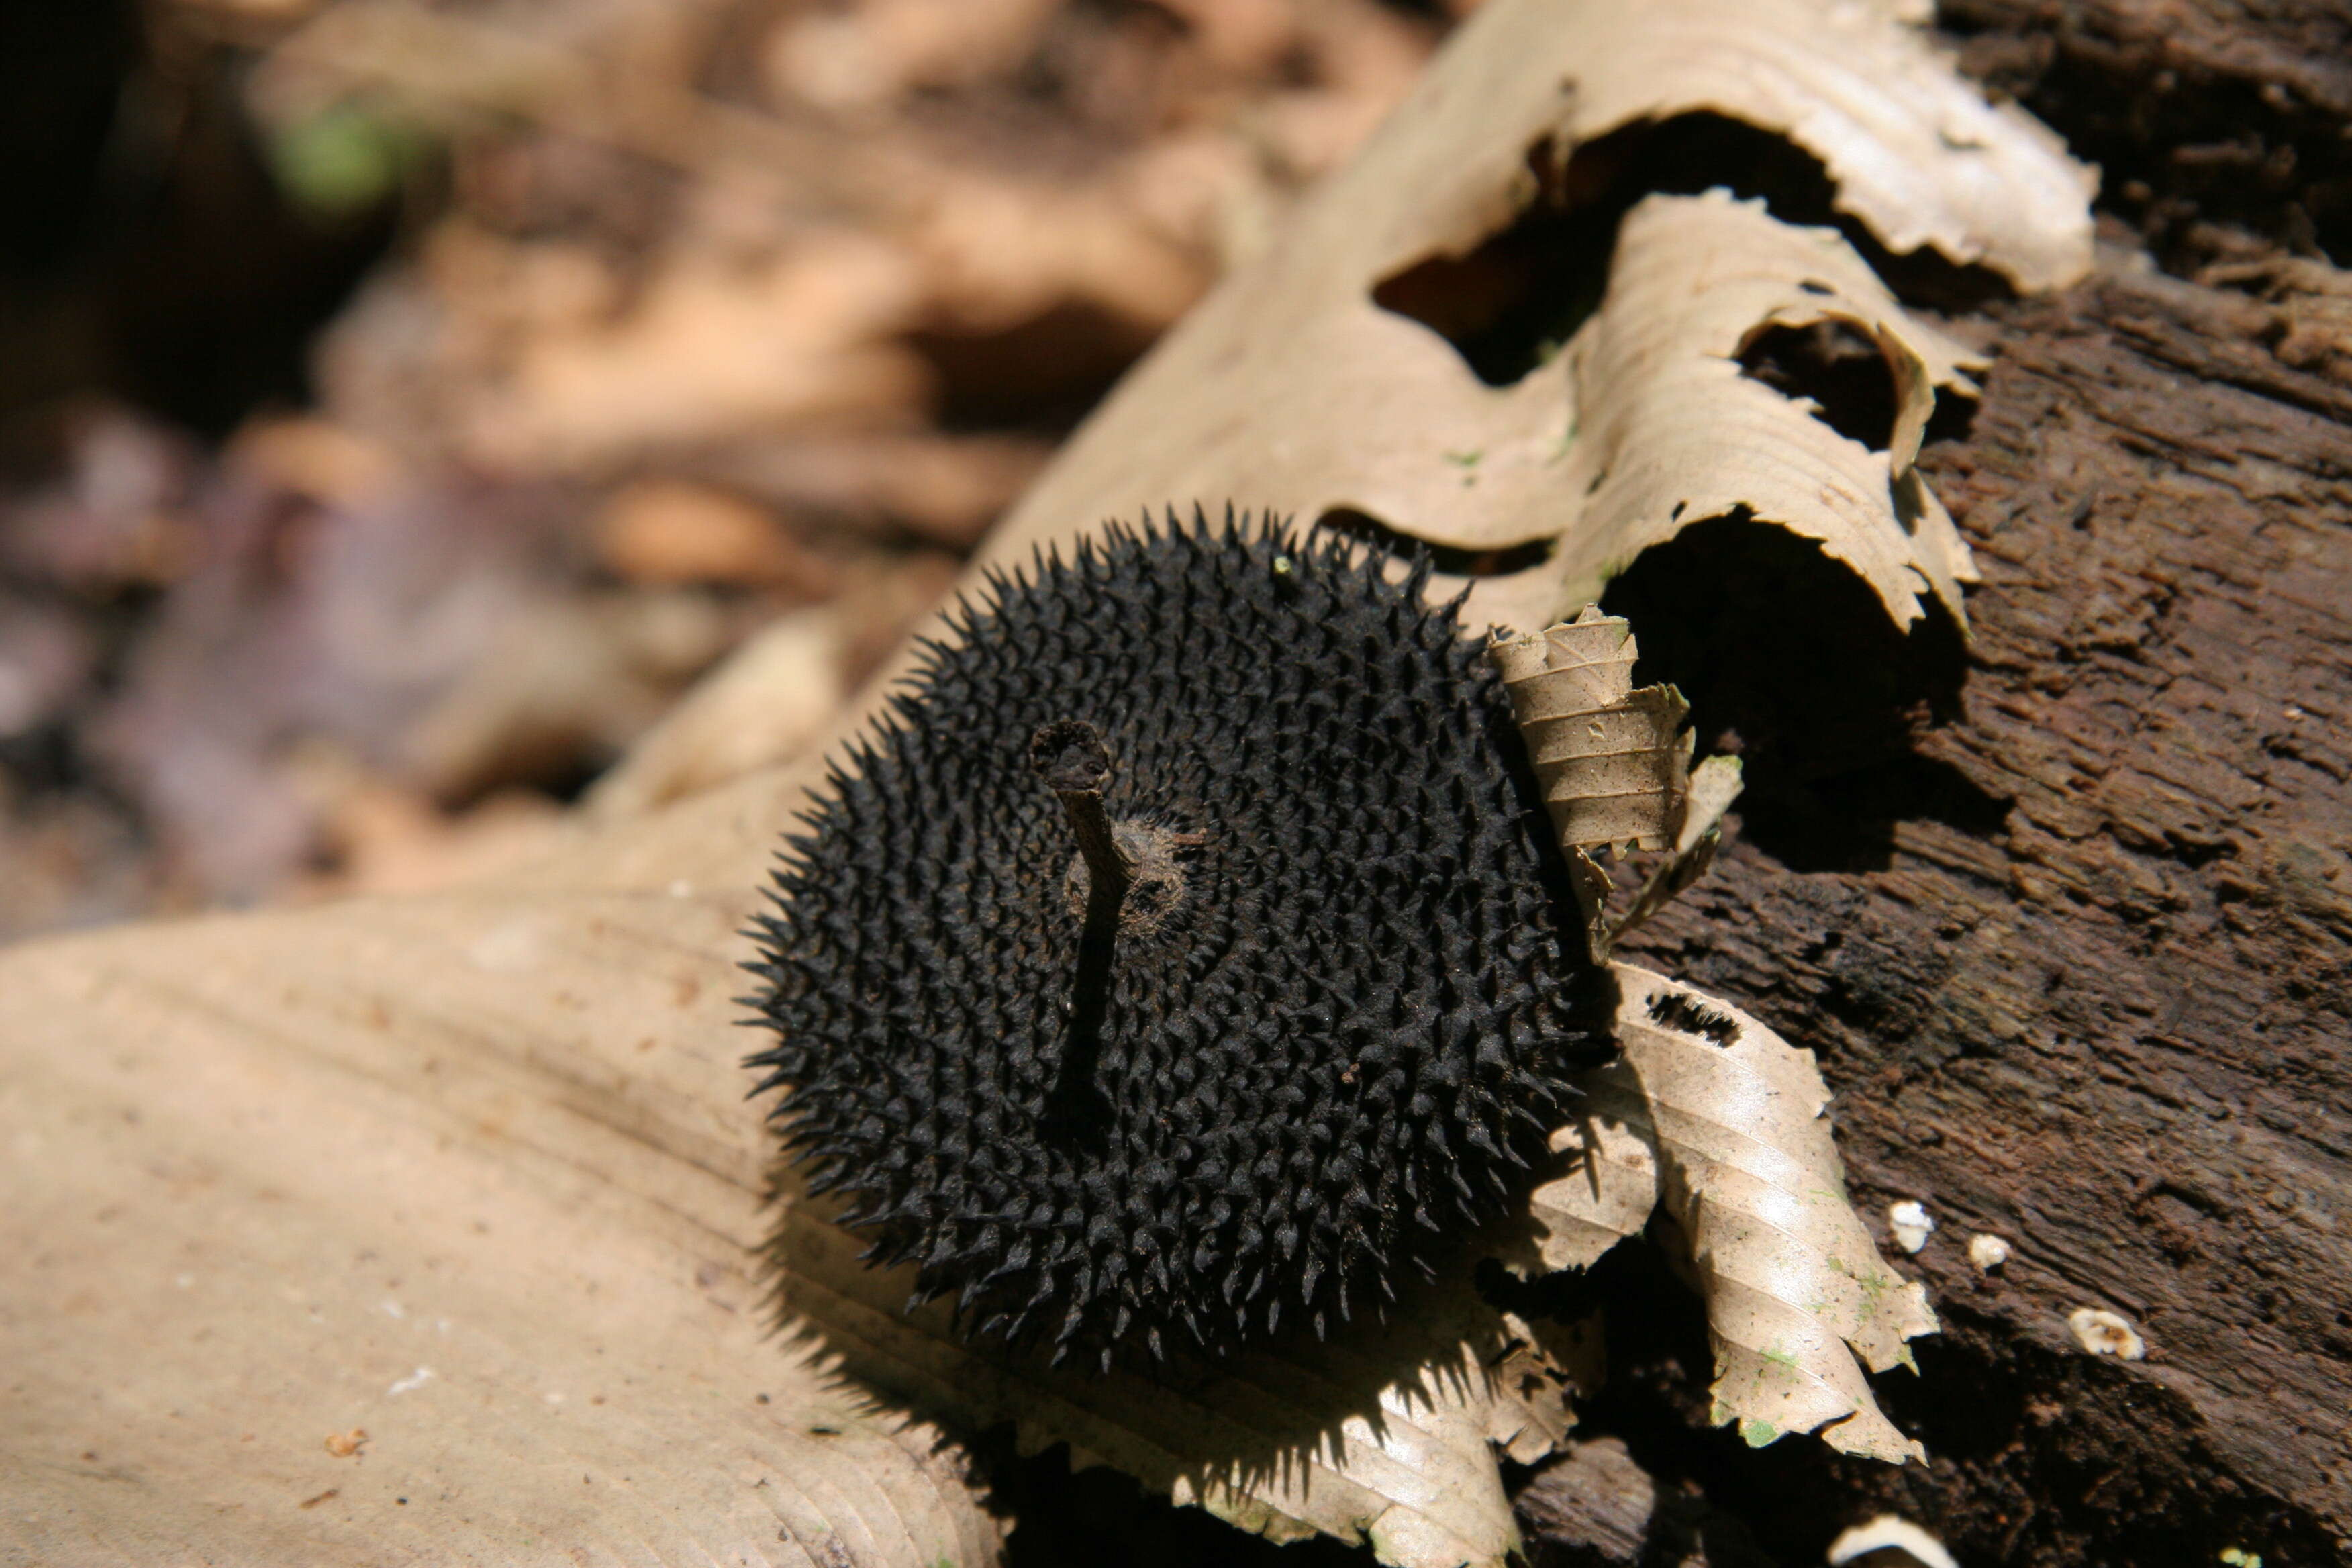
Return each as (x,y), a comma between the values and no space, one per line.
(2078,958)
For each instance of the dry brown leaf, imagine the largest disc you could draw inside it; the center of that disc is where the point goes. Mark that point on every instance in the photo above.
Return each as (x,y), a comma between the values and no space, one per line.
(996,252)
(1290,388)
(668,532)
(1386,1435)
(384,837)
(947,489)
(1550,1365)
(711,349)
(1718,1119)
(1611,760)
(859,57)
(1611,1186)
(561,678)
(316,458)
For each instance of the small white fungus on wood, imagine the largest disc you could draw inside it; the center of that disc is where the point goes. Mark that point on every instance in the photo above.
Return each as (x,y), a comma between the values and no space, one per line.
(2102,1332)
(1911,1223)
(1988,1253)
(1888,1541)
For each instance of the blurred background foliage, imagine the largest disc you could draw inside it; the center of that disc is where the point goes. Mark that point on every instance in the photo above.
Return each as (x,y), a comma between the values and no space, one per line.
(406,401)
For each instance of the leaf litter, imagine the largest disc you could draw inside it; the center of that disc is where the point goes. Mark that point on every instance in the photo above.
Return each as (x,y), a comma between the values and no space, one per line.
(1287,386)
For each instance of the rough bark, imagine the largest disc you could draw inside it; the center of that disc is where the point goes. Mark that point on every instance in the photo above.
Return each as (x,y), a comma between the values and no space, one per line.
(2196,110)
(1597,1507)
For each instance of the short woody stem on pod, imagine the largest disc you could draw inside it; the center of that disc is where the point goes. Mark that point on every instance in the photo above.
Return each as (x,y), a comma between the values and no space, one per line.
(1069,758)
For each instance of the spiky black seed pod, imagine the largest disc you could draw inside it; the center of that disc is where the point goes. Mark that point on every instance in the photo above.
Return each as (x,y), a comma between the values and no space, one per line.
(1319,1030)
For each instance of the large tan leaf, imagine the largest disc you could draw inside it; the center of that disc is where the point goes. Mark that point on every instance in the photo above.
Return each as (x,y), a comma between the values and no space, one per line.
(470,1176)
(1290,388)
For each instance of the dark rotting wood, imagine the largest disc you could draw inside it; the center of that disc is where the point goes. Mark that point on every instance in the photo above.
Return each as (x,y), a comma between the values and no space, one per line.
(2106,1020)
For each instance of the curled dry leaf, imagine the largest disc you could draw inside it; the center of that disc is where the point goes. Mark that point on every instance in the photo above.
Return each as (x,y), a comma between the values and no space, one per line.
(1290,388)
(1611,760)
(1611,764)
(1717,1118)
(1916,151)
(1683,433)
